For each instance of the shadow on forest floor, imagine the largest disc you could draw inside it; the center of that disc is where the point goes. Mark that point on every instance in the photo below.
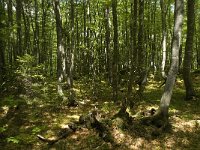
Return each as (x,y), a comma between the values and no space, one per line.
(23,117)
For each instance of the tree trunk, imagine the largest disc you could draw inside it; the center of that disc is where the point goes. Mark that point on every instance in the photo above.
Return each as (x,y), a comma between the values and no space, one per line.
(60,47)
(164,38)
(88,40)
(107,43)
(154,50)
(36,34)
(50,54)
(84,20)
(2,45)
(115,62)
(10,28)
(43,52)
(190,93)
(133,43)
(19,29)
(198,55)
(141,49)
(176,41)
(72,52)
(77,47)
(198,44)
(27,32)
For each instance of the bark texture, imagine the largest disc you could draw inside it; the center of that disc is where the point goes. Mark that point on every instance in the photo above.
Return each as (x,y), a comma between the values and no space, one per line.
(115,51)
(164,37)
(166,97)
(60,47)
(190,93)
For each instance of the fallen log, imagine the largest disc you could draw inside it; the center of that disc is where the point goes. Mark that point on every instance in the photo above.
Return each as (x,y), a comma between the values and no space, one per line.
(63,134)
(89,121)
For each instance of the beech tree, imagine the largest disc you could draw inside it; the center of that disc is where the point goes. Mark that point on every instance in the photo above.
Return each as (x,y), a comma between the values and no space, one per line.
(115,62)
(36,32)
(133,45)
(72,52)
(176,41)
(2,45)
(190,93)
(142,70)
(164,37)
(60,47)
(10,29)
(18,51)
(107,41)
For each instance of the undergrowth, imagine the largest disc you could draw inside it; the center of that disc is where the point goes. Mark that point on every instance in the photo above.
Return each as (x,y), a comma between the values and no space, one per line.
(39,110)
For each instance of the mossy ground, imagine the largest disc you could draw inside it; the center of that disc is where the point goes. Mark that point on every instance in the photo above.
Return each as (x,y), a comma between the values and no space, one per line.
(22,117)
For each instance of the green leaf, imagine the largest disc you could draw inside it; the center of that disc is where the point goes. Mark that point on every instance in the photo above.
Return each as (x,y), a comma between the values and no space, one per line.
(36,130)
(12,140)
(2,129)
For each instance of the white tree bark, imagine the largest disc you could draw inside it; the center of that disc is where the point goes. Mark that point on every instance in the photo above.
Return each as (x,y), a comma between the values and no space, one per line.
(166,97)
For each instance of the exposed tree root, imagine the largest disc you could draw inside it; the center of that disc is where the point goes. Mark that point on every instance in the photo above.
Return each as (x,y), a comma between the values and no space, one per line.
(149,117)
(157,119)
(89,121)
(63,134)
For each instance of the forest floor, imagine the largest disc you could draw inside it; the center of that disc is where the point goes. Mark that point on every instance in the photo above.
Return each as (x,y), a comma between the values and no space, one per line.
(41,111)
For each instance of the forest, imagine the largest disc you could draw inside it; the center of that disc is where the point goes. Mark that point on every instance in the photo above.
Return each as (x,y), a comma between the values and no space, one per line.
(99,74)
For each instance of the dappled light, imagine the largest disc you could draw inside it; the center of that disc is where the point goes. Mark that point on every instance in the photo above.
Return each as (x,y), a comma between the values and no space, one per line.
(47,118)
(99,75)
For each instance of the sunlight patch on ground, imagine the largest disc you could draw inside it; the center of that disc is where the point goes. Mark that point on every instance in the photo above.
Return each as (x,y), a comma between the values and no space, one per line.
(85,101)
(185,125)
(174,111)
(65,120)
(50,135)
(152,86)
(119,136)
(76,117)
(48,116)
(64,126)
(76,90)
(4,111)
(169,142)
(138,143)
